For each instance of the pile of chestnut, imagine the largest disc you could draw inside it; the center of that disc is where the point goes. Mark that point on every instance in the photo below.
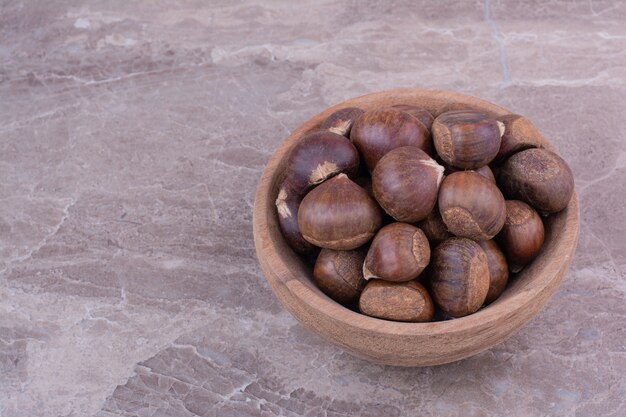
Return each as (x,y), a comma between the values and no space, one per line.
(412,223)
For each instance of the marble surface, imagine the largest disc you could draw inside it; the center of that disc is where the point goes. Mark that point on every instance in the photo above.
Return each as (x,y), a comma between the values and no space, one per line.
(132,135)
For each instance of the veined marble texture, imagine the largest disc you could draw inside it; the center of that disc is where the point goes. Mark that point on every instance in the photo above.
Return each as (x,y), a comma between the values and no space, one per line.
(132,136)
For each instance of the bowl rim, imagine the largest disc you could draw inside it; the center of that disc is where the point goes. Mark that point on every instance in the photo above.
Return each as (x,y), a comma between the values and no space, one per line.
(552,272)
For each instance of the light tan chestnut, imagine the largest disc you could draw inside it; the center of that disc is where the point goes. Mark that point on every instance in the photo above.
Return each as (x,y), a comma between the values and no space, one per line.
(400,301)
(339,274)
(471,205)
(287,205)
(405,183)
(467,139)
(498,269)
(522,235)
(459,276)
(338,214)
(399,252)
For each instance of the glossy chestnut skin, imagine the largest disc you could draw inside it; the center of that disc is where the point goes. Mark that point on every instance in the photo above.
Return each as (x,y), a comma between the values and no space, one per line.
(471,205)
(420,114)
(400,301)
(339,274)
(338,214)
(466,139)
(406,182)
(523,234)
(459,276)
(484,171)
(519,134)
(539,177)
(379,131)
(434,228)
(287,205)
(318,156)
(341,121)
(399,252)
(498,269)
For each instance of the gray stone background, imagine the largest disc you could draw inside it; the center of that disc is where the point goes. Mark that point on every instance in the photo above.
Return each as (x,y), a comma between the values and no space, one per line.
(132,135)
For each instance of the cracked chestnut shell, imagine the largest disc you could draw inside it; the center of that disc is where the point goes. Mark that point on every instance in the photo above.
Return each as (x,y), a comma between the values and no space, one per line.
(539,177)
(341,121)
(434,228)
(420,114)
(400,301)
(406,182)
(519,134)
(522,235)
(459,278)
(339,274)
(471,205)
(498,269)
(379,131)
(399,252)
(317,157)
(338,214)
(466,139)
(287,205)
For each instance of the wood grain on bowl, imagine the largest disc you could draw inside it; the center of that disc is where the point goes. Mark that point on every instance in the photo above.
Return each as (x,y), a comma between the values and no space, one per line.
(395,343)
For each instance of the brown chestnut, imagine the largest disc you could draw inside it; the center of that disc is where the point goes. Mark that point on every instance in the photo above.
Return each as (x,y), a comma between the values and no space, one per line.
(406,182)
(287,204)
(341,121)
(519,134)
(420,114)
(466,139)
(399,301)
(319,156)
(498,269)
(539,177)
(338,214)
(339,274)
(434,228)
(399,252)
(459,276)
(484,171)
(522,235)
(471,206)
(379,131)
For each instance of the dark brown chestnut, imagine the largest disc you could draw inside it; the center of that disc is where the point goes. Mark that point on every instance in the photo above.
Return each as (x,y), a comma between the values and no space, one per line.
(519,134)
(406,182)
(459,276)
(379,131)
(318,156)
(339,274)
(399,252)
(341,121)
(287,204)
(338,214)
(466,139)
(434,228)
(498,269)
(522,235)
(471,205)
(420,114)
(539,177)
(400,301)
(484,171)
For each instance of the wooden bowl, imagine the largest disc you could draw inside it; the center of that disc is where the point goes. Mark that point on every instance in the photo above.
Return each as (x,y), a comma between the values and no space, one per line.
(395,343)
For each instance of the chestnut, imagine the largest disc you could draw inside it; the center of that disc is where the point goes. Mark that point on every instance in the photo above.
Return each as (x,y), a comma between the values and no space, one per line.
(341,121)
(466,139)
(459,276)
(379,131)
(519,134)
(434,228)
(484,171)
(539,177)
(522,235)
(287,204)
(420,114)
(471,206)
(318,156)
(399,252)
(406,182)
(339,274)
(498,269)
(400,301)
(338,214)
